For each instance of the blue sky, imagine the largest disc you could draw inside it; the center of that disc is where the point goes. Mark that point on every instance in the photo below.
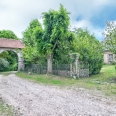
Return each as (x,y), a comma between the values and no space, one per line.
(16,15)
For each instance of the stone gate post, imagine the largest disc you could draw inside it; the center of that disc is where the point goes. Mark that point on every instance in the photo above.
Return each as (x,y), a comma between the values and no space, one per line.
(74,68)
(20,61)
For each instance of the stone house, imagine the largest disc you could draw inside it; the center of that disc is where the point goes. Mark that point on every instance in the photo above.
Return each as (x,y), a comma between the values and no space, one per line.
(108,57)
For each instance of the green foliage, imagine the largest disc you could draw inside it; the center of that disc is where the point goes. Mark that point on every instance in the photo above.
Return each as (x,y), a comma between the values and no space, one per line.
(55,28)
(6,110)
(113,63)
(33,33)
(48,79)
(56,36)
(32,38)
(7,34)
(33,56)
(61,54)
(11,58)
(90,50)
(73,57)
(3,64)
(110,39)
(54,40)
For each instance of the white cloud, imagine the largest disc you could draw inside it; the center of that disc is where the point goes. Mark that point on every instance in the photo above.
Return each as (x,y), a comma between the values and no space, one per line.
(81,24)
(16,15)
(87,25)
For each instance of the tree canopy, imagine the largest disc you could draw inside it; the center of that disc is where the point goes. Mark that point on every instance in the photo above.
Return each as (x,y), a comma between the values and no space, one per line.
(32,37)
(55,28)
(7,34)
(110,37)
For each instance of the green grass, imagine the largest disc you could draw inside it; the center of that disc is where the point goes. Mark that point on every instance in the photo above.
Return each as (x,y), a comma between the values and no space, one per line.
(48,79)
(6,73)
(5,110)
(104,82)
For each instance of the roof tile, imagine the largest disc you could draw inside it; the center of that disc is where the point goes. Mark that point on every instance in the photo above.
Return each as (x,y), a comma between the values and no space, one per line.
(11,43)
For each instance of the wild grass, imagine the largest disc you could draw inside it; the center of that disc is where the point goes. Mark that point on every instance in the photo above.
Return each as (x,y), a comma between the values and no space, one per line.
(5,109)
(7,73)
(48,79)
(104,82)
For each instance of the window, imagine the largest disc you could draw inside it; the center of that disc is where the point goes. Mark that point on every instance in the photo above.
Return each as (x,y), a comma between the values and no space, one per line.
(110,57)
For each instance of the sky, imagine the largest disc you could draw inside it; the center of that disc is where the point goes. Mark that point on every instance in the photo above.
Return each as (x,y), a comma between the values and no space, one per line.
(15,15)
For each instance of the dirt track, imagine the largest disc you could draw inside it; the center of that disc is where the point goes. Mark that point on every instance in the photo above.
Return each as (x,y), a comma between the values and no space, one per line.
(32,99)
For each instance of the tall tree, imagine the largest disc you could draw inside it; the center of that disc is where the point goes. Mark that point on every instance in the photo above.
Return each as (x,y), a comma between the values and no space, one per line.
(7,34)
(32,37)
(62,50)
(90,49)
(110,36)
(55,31)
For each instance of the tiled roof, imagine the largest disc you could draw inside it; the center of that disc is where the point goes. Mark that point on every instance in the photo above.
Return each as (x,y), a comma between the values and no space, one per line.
(11,43)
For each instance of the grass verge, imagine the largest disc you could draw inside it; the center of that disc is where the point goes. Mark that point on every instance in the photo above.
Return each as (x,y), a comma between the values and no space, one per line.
(105,81)
(7,73)
(5,109)
(48,79)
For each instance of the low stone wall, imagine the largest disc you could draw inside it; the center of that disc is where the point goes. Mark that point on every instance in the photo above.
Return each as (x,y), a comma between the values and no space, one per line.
(83,72)
(61,73)
(66,73)
(38,71)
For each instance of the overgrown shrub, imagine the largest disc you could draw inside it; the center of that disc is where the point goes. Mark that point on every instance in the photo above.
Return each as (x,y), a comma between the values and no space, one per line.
(113,62)
(3,64)
(90,49)
(12,58)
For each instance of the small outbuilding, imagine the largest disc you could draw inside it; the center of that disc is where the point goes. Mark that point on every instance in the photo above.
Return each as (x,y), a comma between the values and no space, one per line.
(109,57)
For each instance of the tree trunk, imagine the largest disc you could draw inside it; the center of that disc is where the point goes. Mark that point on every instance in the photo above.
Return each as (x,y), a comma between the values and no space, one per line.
(49,66)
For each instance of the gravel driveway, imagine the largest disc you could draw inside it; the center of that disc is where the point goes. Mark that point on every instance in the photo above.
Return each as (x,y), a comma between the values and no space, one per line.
(32,99)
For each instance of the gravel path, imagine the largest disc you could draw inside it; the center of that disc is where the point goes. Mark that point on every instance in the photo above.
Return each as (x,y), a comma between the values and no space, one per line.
(32,99)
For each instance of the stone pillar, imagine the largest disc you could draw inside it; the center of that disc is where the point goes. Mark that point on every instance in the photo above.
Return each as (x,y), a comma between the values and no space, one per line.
(20,61)
(77,66)
(74,68)
(71,70)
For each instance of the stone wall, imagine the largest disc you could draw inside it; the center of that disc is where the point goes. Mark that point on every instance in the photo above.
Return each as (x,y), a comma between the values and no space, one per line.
(83,72)
(61,73)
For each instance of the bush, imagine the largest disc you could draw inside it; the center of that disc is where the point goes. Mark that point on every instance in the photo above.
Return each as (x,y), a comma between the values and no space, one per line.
(12,58)
(90,49)
(113,63)
(3,64)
